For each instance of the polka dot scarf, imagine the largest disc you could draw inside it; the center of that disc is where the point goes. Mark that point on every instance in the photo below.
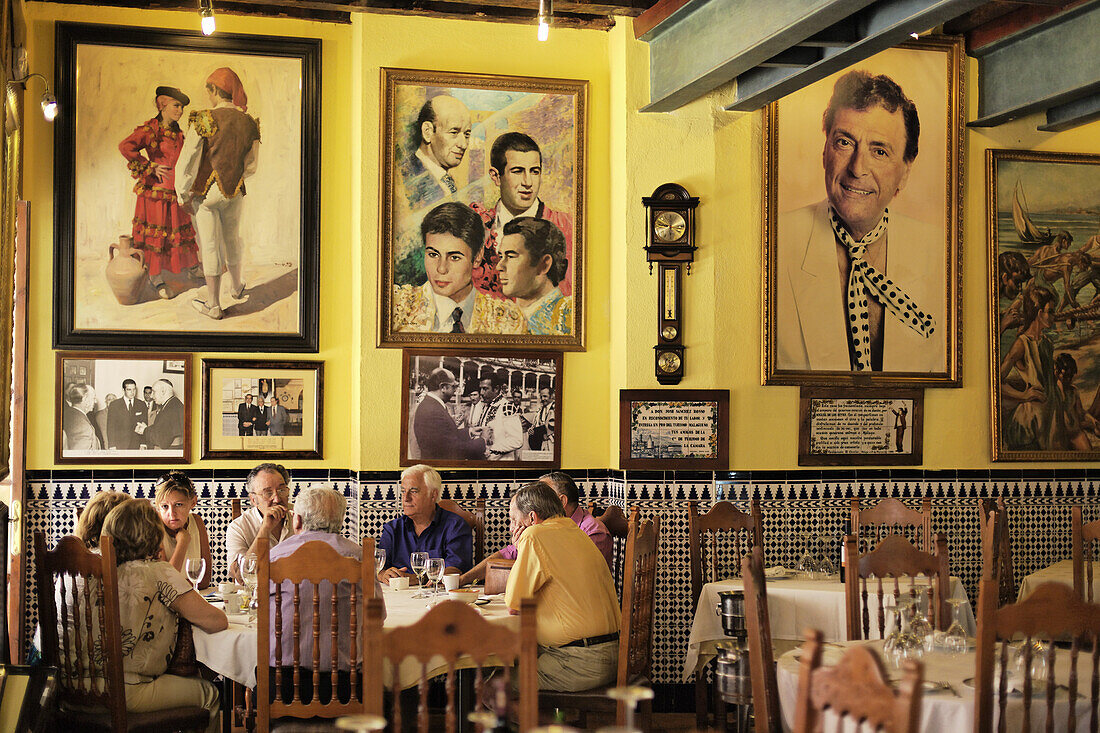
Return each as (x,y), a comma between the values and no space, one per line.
(865,278)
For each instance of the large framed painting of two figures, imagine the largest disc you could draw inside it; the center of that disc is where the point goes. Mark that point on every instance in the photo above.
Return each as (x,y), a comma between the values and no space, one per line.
(1044,242)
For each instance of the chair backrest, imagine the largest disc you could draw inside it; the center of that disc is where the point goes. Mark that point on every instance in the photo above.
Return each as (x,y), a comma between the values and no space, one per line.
(1052,613)
(997,548)
(451,630)
(894,558)
(304,570)
(765,687)
(636,639)
(744,532)
(235,508)
(475,520)
(5,653)
(78,612)
(857,688)
(1083,536)
(615,520)
(891,516)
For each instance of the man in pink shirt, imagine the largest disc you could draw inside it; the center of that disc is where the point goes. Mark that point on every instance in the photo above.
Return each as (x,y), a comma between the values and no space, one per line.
(566,489)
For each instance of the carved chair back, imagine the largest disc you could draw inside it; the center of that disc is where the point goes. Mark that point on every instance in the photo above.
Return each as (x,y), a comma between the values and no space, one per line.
(891,516)
(1083,536)
(765,688)
(997,548)
(708,534)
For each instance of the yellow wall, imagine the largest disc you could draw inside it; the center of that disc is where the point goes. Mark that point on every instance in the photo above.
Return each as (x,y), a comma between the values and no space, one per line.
(714,153)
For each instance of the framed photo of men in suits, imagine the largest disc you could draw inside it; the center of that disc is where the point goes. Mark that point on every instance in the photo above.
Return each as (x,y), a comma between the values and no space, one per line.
(480,408)
(123,408)
(482,210)
(862,223)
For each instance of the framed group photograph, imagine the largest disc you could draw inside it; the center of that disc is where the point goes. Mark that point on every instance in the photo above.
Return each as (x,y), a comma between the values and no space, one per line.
(252,409)
(482,210)
(1044,256)
(481,408)
(861,251)
(860,426)
(186,190)
(674,429)
(122,408)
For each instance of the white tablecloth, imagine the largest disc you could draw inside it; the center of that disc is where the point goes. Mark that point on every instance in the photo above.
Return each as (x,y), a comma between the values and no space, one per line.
(941,709)
(233,652)
(1059,572)
(793,605)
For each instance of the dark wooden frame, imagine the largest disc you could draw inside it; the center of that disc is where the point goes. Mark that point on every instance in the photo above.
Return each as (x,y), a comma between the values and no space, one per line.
(407,356)
(720,396)
(916,427)
(65,333)
(159,458)
(269,366)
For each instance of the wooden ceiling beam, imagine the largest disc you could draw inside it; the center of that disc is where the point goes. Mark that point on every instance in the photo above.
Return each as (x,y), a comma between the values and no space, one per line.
(429,9)
(265,8)
(579,7)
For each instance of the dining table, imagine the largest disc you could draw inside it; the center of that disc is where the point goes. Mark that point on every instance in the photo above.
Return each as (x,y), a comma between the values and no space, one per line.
(1059,572)
(948,692)
(795,603)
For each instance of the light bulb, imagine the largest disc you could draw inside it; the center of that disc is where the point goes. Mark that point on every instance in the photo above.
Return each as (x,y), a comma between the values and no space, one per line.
(544,29)
(207,16)
(49,107)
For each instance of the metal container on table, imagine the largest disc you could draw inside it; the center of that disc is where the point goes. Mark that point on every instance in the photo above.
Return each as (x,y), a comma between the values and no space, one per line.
(731,609)
(732,675)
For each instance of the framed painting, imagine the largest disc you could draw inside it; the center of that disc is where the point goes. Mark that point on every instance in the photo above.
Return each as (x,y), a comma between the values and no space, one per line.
(482,220)
(252,409)
(674,429)
(186,190)
(122,408)
(861,255)
(1044,297)
(481,408)
(860,426)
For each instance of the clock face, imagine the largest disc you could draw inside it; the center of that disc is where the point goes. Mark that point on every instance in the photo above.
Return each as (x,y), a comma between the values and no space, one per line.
(668,362)
(669,226)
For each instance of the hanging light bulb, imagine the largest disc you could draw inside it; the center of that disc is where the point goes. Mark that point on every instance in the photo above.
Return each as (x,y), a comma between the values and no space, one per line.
(49,101)
(546,11)
(206,15)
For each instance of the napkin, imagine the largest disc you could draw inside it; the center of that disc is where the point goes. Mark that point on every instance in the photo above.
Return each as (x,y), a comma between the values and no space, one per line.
(776,571)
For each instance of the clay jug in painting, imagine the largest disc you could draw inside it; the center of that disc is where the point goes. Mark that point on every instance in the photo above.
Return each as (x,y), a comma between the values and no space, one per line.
(126,270)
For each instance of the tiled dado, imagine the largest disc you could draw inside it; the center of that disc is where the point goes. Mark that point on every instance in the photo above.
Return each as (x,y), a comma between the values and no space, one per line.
(798,506)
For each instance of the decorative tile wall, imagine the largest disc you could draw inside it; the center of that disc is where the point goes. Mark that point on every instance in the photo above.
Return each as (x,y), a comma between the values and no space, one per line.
(798,506)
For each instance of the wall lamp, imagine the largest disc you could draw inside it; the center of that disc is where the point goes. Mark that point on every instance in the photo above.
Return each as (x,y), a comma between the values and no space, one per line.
(49,101)
(206,17)
(546,12)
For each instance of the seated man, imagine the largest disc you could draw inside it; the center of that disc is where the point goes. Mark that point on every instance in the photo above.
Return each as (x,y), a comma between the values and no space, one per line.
(566,489)
(268,487)
(318,517)
(578,612)
(424,526)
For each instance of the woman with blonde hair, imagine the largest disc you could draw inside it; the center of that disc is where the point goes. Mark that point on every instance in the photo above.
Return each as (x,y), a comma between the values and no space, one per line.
(185,536)
(90,524)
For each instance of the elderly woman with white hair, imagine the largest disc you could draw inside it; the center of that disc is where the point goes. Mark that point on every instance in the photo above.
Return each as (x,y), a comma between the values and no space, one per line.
(424,526)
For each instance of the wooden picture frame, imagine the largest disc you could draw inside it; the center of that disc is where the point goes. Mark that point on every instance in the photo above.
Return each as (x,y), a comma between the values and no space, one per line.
(1044,302)
(674,429)
(860,426)
(805,312)
(286,402)
(116,241)
(91,428)
(539,129)
(514,423)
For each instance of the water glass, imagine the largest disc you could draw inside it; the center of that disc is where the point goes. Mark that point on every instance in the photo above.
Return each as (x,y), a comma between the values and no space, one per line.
(919,624)
(418,562)
(954,639)
(435,569)
(195,568)
(361,723)
(379,559)
(249,564)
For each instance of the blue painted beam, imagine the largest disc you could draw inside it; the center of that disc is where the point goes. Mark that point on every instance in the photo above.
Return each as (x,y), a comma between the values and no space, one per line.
(1072,114)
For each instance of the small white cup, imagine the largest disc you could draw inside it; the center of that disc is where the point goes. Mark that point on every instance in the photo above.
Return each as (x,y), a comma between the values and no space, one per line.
(450,582)
(399,583)
(225,589)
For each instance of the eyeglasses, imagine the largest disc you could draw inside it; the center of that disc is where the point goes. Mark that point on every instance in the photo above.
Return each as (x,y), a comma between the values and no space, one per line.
(270,494)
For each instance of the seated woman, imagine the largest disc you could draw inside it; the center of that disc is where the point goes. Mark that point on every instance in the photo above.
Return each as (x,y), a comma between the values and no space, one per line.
(185,536)
(90,524)
(152,597)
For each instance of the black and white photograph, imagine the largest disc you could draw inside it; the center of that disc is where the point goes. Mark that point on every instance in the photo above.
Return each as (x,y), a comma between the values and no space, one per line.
(481,408)
(123,408)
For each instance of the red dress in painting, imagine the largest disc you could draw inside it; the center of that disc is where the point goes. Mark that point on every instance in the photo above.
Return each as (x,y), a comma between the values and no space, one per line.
(162,230)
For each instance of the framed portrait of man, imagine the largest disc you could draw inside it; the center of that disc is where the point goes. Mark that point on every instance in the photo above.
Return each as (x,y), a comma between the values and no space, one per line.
(862,223)
(186,190)
(482,210)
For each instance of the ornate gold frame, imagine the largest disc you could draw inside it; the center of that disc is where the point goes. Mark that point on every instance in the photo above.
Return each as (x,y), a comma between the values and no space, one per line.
(12,160)
(951,376)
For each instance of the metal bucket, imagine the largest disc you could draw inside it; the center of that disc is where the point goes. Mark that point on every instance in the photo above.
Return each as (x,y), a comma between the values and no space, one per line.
(731,609)
(732,675)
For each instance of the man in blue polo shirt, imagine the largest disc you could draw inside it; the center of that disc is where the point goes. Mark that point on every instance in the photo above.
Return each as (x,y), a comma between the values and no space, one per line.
(424,527)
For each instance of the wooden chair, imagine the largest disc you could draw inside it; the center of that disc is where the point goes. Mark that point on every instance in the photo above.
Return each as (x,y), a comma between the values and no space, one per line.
(857,688)
(234,509)
(1083,536)
(475,520)
(636,637)
(1053,612)
(765,687)
(744,532)
(92,693)
(895,557)
(313,562)
(891,516)
(452,631)
(997,548)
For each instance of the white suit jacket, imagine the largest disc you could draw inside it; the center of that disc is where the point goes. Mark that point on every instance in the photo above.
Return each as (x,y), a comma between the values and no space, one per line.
(811,332)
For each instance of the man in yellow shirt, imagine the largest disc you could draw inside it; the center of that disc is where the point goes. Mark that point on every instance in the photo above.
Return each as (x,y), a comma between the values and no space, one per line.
(578,612)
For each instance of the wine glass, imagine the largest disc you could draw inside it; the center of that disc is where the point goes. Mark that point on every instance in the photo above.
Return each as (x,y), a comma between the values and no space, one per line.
(435,568)
(631,695)
(806,564)
(195,568)
(361,723)
(249,564)
(908,645)
(418,561)
(954,639)
(379,559)
(919,624)
(890,638)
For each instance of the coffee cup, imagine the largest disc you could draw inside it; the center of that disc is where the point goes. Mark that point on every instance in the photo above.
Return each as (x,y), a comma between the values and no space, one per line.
(450,582)
(401,583)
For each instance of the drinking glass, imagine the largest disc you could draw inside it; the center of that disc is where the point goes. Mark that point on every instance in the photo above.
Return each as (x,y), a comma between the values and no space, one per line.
(919,624)
(195,568)
(954,639)
(908,645)
(1038,661)
(361,723)
(890,640)
(418,561)
(806,563)
(435,568)
(249,564)
(631,695)
(379,559)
